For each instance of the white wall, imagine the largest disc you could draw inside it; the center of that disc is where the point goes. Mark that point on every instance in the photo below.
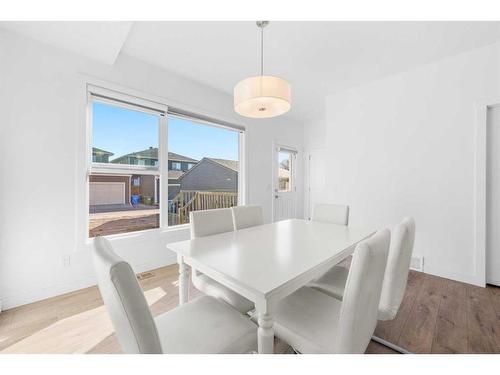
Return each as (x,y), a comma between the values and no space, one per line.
(42,130)
(404,146)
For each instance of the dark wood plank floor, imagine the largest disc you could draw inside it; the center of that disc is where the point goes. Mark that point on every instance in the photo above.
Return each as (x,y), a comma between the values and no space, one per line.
(436,316)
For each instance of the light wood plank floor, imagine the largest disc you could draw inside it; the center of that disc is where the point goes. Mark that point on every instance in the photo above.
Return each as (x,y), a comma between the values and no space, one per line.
(437,316)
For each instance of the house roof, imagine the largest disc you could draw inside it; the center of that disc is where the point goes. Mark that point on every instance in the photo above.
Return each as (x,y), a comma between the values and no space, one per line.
(100,151)
(284,163)
(174,175)
(178,157)
(231,164)
(152,153)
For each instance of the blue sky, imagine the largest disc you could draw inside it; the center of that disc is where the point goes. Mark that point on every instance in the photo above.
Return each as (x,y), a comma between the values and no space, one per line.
(122,131)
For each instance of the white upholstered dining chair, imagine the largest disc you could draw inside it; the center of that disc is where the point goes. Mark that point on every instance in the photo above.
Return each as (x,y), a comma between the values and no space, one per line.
(206,223)
(313,322)
(331,213)
(396,275)
(247,216)
(204,325)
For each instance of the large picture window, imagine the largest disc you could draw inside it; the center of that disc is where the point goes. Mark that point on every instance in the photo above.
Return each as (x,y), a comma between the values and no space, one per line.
(208,157)
(135,149)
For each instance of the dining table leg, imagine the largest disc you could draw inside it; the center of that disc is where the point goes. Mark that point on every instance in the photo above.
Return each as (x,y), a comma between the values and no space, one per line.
(183,281)
(265,333)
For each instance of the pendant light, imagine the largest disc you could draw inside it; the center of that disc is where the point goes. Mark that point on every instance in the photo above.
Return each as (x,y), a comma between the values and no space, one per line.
(262,96)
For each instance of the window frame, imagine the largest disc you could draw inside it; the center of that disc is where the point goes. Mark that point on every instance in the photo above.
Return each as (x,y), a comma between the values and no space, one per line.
(117,99)
(136,100)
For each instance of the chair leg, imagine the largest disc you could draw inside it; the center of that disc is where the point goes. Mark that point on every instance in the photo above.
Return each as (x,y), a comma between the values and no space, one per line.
(390,345)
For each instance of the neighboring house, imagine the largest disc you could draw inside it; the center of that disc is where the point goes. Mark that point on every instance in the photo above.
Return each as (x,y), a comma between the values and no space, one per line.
(118,189)
(211,174)
(284,179)
(148,157)
(100,156)
(284,175)
(177,166)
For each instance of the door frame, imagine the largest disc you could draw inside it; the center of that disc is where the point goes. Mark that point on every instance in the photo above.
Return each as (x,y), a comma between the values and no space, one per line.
(480,154)
(275,151)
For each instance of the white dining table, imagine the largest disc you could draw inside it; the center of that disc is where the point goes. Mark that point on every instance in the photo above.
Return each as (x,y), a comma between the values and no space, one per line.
(268,262)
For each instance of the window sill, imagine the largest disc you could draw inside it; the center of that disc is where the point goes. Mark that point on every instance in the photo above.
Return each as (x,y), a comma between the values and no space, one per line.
(144,234)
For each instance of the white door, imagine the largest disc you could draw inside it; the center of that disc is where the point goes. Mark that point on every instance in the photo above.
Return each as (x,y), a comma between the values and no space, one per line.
(493,197)
(316,179)
(285,189)
(106,193)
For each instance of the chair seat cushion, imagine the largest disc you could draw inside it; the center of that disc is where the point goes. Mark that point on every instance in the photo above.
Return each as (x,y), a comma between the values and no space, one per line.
(308,321)
(332,282)
(206,326)
(212,288)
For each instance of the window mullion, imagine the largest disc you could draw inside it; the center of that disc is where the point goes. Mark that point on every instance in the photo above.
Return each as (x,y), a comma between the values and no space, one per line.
(163,167)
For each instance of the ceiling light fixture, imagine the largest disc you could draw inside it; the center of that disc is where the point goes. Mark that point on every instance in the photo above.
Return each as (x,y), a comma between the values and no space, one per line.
(262,96)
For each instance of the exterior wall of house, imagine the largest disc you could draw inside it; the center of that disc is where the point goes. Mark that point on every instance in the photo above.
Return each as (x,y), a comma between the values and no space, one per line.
(100,158)
(173,190)
(132,160)
(210,176)
(146,186)
(111,178)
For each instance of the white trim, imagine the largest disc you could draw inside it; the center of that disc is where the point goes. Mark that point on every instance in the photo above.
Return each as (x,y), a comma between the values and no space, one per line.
(105,168)
(88,79)
(243,170)
(163,166)
(481,109)
(34,295)
(207,121)
(126,100)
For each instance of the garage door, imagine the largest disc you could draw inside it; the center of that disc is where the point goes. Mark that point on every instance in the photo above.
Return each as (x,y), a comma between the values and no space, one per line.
(107,193)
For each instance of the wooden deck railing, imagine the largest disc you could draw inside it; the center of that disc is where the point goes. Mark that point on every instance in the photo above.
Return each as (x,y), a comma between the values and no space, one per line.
(193,200)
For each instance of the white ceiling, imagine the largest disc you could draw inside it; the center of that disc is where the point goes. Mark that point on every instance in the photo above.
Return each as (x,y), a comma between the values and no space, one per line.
(316,57)
(101,41)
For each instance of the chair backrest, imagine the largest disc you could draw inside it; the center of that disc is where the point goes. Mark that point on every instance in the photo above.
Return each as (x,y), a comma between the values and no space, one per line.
(358,314)
(331,213)
(247,216)
(397,269)
(208,222)
(127,307)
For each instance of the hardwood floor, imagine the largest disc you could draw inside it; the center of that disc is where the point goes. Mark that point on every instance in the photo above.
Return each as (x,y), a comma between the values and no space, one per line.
(437,316)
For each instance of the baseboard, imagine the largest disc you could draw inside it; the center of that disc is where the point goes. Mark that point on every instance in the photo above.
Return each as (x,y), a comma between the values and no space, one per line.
(25,298)
(417,263)
(467,279)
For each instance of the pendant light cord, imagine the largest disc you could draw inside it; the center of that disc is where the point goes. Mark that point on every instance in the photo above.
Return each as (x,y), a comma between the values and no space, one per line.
(262,51)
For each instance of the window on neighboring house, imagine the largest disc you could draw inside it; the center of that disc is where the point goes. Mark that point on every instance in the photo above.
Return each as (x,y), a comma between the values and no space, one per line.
(130,142)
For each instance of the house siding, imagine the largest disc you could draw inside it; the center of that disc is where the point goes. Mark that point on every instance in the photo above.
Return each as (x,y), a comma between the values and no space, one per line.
(210,176)
(173,190)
